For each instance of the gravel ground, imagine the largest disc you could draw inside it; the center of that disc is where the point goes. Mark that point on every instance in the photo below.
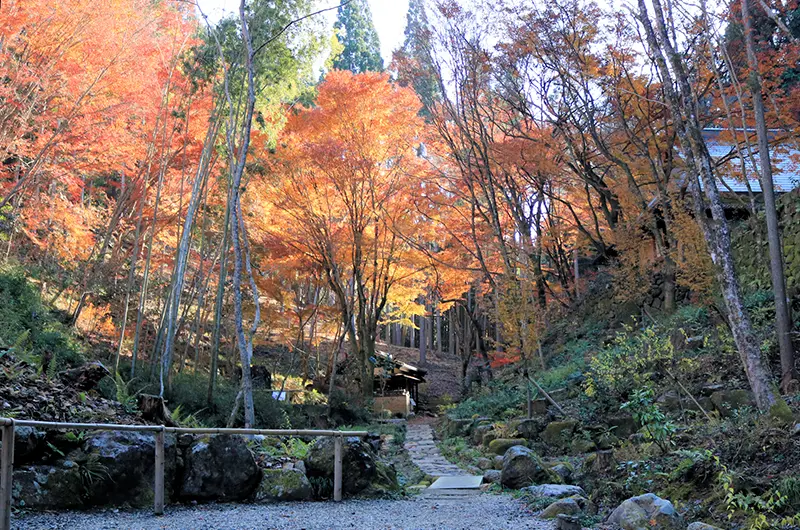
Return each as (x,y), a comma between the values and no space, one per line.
(484,511)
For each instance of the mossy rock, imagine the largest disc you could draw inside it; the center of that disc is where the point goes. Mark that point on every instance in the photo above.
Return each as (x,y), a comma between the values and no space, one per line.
(479,431)
(484,464)
(559,433)
(624,425)
(781,413)
(522,467)
(582,445)
(501,445)
(456,428)
(566,506)
(564,470)
(607,440)
(284,485)
(702,526)
(488,438)
(385,479)
(530,429)
(726,401)
(48,487)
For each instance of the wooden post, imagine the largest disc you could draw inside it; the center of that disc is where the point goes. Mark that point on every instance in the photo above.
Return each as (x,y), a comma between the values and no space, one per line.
(6,475)
(337,468)
(159,474)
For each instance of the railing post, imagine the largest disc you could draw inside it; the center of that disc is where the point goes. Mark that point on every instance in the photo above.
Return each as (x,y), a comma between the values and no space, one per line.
(6,475)
(337,468)
(159,474)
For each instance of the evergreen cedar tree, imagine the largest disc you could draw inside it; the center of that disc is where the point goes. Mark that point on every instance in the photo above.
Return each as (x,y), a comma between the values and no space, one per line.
(356,33)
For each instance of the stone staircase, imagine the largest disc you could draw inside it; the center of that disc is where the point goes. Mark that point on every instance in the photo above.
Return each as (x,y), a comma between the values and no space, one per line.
(424,453)
(452,483)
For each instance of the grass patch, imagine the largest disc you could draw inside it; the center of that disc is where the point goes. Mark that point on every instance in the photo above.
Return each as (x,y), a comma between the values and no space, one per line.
(460,452)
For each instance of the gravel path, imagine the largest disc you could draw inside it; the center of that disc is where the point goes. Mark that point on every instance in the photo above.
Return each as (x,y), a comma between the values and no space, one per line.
(481,511)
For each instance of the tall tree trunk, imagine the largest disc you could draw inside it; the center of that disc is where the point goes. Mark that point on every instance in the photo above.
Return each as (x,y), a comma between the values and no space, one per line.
(423,341)
(219,303)
(685,110)
(783,321)
(131,279)
(241,252)
(451,331)
(182,257)
(438,331)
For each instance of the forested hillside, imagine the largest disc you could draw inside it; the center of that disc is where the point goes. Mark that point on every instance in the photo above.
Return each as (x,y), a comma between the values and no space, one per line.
(570,229)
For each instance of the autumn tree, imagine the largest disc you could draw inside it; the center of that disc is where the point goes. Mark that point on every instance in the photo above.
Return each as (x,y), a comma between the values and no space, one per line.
(344,177)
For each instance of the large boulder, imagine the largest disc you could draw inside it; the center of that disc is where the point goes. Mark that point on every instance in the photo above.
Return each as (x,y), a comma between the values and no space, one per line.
(284,485)
(726,401)
(479,431)
(562,470)
(385,479)
(110,468)
(646,512)
(85,377)
(568,506)
(491,476)
(522,467)
(623,425)
(559,433)
(487,438)
(702,526)
(568,522)
(484,464)
(452,428)
(219,468)
(48,487)
(501,445)
(555,491)
(582,445)
(28,444)
(358,463)
(118,467)
(530,428)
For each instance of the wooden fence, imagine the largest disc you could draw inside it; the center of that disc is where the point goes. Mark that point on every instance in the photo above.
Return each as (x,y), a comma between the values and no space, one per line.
(7,453)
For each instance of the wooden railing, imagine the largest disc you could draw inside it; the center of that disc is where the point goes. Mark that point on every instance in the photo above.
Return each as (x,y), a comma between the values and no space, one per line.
(7,453)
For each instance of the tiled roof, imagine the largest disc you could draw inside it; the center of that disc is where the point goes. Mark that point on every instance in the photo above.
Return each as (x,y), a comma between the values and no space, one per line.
(785,162)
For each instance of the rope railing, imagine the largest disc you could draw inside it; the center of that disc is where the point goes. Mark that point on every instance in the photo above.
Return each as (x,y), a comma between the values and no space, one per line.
(7,453)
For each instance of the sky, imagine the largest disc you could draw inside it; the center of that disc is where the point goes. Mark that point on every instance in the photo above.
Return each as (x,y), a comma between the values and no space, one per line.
(389,17)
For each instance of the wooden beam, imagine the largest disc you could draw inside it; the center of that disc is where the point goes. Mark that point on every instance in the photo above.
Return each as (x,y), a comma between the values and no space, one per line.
(177,430)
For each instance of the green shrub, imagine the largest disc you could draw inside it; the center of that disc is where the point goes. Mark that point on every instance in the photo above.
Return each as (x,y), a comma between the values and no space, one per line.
(632,361)
(33,333)
(496,400)
(647,414)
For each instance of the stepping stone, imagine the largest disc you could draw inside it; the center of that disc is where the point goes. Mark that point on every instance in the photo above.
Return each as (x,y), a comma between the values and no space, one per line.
(464,482)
